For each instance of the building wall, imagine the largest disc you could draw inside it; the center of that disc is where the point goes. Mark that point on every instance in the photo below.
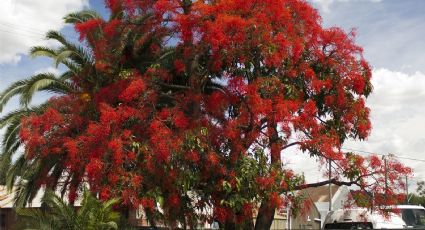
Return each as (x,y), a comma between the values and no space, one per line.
(8,219)
(278,223)
(310,220)
(137,217)
(340,197)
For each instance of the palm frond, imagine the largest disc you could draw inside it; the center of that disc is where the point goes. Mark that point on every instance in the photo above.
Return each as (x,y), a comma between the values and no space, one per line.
(73,68)
(14,172)
(18,114)
(37,219)
(10,144)
(56,35)
(6,161)
(43,82)
(81,16)
(34,84)
(80,55)
(74,52)
(62,56)
(28,172)
(13,90)
(58,205)
(37,51)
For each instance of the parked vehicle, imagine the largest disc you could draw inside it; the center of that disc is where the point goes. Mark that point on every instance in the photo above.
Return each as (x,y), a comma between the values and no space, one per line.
(359,218)
(413,215)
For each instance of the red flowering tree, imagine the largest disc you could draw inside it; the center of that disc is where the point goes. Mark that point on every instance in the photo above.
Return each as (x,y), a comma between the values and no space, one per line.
(192,105)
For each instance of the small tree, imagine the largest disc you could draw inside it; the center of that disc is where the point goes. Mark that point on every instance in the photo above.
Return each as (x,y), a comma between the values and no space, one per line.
(93,214)
(421,188)
(193,105)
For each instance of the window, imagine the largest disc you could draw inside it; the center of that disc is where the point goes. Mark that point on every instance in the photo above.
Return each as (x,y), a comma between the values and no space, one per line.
(413,217)
(350,225)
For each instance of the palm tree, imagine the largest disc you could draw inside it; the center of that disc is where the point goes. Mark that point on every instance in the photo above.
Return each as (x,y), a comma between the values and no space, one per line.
(79,62)
(57,214)
(76,59)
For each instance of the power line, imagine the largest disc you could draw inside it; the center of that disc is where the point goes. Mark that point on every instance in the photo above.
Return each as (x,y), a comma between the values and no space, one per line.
(374,153)
(380,154)
(26,29)
(30,34)
(21,34)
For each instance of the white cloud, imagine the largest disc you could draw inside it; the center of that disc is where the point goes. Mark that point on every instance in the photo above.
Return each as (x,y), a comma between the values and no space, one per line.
(50,69)
(23,24)
(325,5)
(397,111)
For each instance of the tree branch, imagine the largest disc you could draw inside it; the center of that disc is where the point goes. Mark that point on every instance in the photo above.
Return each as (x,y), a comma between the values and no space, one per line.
(292,144)
(171,86)
(334,181)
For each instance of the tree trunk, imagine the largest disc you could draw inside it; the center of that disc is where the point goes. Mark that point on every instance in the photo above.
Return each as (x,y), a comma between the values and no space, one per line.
(229,225)
(265,216)
(267,209)
(248,225)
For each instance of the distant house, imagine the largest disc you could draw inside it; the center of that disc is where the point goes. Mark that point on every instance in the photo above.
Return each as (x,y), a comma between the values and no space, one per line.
(307,220)
(283,219)
(8,217)
(320,198)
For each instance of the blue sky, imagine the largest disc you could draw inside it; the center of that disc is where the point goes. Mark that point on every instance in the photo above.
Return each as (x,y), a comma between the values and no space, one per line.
(390,31)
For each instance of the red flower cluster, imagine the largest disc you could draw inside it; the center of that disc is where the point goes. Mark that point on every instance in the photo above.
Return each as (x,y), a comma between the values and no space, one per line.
(87,27)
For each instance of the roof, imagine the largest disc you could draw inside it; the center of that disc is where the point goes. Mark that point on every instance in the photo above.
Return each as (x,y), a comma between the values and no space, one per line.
(406,206)
(321,194)
(7,198)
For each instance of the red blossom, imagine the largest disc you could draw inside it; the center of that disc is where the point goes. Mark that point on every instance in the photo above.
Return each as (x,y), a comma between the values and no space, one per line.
(113,4)
(180,120)
(111,27)
(213,159)
(134,90)
(136,181)
(94,168)
(174,200)
(84,28)
(179,66)
(220,213)
(192,156)
(105,194)
(147,203)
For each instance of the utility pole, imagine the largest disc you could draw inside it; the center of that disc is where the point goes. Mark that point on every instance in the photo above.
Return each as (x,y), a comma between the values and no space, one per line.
(407,191)
(384,157)
(330,189)
(289,216)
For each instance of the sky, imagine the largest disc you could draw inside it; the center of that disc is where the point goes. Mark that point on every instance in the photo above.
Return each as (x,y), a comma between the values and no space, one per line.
(390,31)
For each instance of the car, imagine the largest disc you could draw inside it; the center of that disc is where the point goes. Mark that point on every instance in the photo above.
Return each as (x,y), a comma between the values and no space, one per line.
(360,218)
(413,215)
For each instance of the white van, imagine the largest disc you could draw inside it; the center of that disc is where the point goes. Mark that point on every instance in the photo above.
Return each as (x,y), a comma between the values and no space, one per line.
(413,215)
(360,218)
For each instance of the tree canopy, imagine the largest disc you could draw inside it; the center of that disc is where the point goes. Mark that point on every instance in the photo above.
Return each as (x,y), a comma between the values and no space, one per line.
(193,106)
